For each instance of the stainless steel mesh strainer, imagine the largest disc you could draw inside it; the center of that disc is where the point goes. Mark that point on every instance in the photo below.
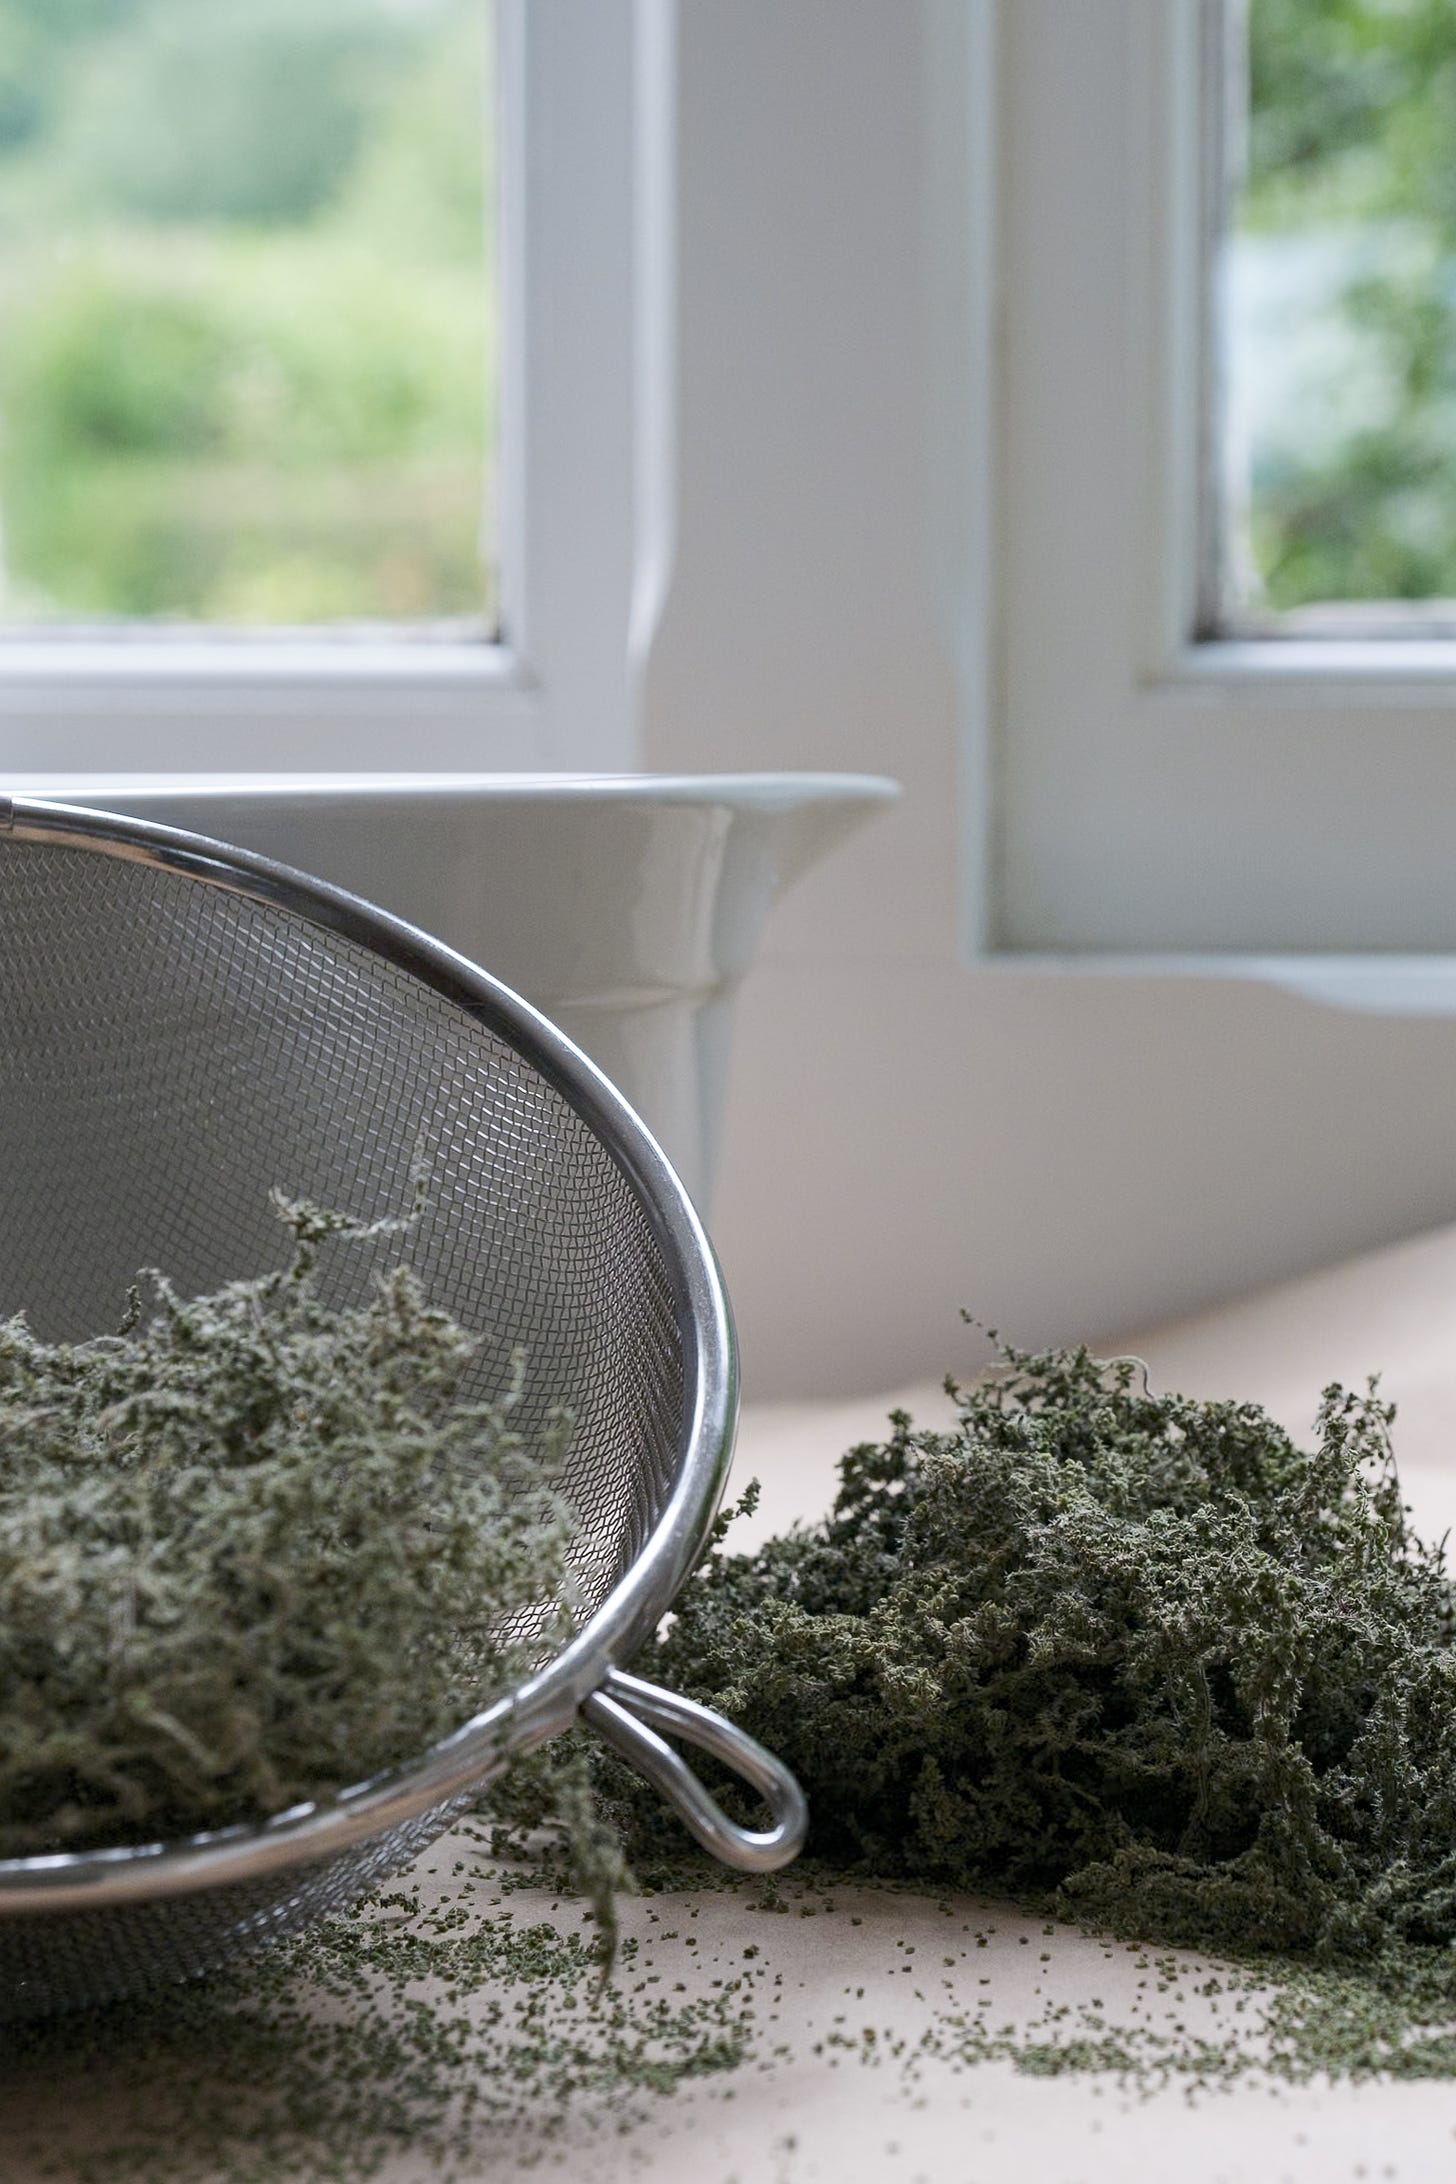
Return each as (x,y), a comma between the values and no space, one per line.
(184,1025)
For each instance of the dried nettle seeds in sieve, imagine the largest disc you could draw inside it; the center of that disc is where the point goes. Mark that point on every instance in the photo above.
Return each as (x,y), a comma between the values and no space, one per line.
(252,1549)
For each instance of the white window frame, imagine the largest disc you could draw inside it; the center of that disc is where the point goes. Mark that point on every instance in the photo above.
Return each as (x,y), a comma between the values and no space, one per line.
(584,130)
(1138,797)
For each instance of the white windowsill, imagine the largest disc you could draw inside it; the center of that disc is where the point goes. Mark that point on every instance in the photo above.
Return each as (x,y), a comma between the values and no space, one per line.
(1418,670)
(198,674)
(1374,984)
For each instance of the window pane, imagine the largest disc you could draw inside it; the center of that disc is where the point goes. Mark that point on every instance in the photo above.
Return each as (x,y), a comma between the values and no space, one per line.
(247,360)
(1339,310)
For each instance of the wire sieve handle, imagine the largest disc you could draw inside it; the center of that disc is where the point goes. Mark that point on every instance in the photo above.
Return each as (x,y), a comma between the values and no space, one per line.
(622,1708)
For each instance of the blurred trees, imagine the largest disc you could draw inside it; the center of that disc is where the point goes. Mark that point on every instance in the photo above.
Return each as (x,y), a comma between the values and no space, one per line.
(244,372)
(247,329)
(1351,199)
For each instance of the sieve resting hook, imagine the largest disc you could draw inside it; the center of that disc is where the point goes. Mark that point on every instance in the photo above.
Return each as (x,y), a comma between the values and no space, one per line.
(629,1712)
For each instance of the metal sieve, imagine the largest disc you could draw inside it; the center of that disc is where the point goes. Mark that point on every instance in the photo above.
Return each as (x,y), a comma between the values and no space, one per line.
(183,1026)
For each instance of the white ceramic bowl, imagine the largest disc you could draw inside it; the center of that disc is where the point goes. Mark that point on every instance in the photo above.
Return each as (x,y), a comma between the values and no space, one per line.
(627,907)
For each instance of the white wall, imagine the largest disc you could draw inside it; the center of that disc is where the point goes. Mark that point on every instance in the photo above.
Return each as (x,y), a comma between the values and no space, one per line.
(907,1133)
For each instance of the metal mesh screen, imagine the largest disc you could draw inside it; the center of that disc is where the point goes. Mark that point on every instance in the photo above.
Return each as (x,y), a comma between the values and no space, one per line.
(170,1051)
(64,1960)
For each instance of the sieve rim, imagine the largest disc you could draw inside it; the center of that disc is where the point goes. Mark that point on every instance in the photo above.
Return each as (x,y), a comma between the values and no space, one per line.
(545,1702)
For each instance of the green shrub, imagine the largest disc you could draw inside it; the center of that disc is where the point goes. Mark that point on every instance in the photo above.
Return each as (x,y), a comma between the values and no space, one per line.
(253,426)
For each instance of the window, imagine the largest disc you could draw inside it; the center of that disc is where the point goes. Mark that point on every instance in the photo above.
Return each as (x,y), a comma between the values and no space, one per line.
(1163,777)
(299,577)
(1333,388)
(248,372)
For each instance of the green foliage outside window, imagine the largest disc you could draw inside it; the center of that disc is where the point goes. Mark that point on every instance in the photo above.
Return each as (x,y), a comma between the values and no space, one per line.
(246,361)
(1352,149)
(244,374)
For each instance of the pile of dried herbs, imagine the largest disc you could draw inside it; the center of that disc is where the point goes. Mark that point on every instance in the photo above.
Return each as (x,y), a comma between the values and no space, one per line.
(252,1549)
(1132,1658)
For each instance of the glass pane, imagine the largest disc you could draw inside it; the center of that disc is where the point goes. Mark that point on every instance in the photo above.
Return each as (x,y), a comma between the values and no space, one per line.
(1339,312)
(247,359)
